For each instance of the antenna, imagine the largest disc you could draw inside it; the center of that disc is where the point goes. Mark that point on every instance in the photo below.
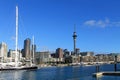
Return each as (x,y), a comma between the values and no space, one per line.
(74,27)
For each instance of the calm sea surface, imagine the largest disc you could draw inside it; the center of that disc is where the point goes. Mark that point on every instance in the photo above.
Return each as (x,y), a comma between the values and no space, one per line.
(59,73)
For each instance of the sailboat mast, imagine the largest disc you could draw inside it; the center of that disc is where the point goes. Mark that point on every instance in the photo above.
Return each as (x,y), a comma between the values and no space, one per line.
(16,44)
(33,49)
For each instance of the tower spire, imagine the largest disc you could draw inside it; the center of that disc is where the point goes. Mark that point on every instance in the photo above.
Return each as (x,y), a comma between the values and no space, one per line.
(74,27)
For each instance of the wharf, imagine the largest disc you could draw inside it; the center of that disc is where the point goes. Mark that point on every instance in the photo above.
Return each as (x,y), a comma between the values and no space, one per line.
(110,73)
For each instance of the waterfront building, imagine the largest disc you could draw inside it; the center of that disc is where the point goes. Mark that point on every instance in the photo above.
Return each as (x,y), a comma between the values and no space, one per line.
(73,59)
(68,59)
(72,53)
(42,57)
(66,53)
(12,54)
(27,51)
(3,52)
(106,57)
(77,51)
(88,59)
(53,55)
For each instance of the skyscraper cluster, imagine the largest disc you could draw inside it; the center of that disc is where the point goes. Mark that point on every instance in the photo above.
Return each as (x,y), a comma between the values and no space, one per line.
(26,53)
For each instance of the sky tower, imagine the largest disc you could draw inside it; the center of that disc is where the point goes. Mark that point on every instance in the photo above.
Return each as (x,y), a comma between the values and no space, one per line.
(74,39)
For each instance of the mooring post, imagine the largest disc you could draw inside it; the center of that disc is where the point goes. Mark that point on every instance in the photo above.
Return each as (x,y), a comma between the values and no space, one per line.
(97,65)
(97,68)
(115,63)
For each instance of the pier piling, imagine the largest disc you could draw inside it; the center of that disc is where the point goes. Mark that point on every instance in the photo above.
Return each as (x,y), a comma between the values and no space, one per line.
(97,68)
(115,64)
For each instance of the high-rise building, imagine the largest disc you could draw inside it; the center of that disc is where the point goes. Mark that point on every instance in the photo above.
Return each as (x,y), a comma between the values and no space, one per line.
(27,51)
(59,53)
(3,52)
(33,52)
(33,49)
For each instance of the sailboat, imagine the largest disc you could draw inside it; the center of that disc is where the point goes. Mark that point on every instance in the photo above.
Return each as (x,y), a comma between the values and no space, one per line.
(15,65)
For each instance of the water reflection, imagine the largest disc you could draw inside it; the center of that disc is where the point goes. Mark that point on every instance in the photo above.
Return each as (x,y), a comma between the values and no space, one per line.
(30,75)
(17,75)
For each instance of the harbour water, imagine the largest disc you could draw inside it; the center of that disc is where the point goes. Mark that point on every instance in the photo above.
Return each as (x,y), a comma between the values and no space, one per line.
(60,73)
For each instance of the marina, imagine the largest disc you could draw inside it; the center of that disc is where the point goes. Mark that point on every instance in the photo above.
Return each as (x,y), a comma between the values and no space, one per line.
(17,65)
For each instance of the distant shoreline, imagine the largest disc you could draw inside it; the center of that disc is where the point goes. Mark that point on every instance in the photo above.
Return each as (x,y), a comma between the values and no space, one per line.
(83,64)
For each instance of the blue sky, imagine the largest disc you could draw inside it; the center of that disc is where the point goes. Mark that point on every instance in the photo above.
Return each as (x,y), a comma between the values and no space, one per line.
(52,24)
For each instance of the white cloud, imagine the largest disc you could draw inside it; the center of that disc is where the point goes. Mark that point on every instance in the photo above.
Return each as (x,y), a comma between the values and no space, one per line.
(117,24)
(101,23)
(90,22)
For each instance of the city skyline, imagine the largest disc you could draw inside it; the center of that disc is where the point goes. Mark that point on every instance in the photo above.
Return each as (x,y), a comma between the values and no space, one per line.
(52,24)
